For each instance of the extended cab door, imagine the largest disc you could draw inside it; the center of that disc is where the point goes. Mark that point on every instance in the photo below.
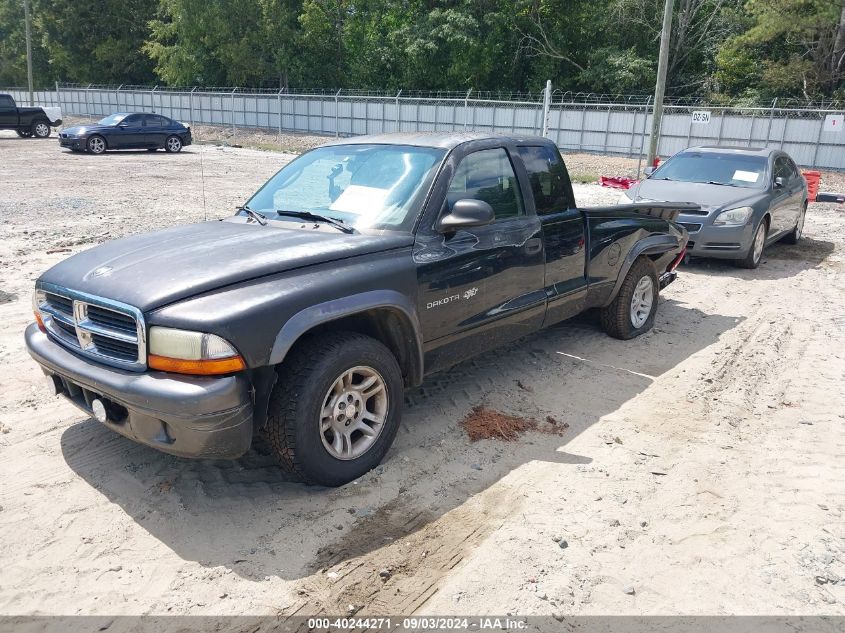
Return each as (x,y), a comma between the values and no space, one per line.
(563,230)
(8,112)
(482,286)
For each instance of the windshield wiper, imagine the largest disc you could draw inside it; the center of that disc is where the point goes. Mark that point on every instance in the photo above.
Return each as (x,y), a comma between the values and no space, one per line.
(255,215)
(316,217)
(726,184)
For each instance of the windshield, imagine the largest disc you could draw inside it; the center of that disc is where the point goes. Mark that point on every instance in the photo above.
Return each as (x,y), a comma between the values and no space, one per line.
(112,119)
(734,170)
(364,186)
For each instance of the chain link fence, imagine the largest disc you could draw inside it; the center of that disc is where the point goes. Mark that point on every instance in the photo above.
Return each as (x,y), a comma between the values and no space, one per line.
(604,124)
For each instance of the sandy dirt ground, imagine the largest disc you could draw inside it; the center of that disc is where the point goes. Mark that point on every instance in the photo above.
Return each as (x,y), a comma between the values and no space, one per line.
(702,470)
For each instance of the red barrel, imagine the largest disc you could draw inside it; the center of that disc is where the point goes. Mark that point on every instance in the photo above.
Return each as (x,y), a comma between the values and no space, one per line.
(813,179)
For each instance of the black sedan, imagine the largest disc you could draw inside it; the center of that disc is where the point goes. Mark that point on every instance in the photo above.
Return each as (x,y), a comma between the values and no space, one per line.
(127,130)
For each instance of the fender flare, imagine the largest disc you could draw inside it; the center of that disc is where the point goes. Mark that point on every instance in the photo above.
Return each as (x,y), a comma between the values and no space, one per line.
(651,245)
(321,313)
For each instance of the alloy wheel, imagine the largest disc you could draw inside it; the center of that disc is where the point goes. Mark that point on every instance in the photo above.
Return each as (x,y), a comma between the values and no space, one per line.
(642,302)
(353,413)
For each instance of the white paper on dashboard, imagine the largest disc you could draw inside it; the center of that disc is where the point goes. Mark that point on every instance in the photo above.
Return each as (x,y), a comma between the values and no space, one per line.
(746,176)
(359,200)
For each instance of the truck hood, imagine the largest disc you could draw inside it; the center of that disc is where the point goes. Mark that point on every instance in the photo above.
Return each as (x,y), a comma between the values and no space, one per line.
(154,269)
(709,197)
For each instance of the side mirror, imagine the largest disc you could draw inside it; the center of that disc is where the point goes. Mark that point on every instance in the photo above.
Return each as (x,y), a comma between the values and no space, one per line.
(122,125)
(779,182)
(648,171)
(465,214)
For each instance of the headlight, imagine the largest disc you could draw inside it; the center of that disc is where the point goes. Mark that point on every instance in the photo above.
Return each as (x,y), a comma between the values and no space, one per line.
(734,217)
(624,199)
(38,297)
(186,352)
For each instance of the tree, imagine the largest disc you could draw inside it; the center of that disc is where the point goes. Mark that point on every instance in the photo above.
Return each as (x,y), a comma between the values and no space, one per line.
(792,48)
(96,41)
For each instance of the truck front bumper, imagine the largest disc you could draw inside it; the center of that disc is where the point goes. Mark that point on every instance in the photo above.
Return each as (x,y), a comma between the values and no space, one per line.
(188,416)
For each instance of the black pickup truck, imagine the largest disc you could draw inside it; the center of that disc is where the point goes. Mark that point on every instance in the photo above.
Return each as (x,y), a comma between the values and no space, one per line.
(27,122)
(357,269)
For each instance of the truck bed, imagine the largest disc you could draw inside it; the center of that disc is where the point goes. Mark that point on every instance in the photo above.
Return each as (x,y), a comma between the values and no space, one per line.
(665,210)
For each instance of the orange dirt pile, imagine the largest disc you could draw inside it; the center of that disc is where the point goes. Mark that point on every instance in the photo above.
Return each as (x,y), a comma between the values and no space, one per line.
(483,424)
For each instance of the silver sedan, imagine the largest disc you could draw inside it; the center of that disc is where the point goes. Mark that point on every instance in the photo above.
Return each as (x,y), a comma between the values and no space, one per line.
(749,198)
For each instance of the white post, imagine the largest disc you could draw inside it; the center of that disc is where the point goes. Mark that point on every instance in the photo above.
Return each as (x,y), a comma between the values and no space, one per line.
(233,108)
(397,110)
(466,107)
(191,104)
(547,102)
(336,113)
(153,99)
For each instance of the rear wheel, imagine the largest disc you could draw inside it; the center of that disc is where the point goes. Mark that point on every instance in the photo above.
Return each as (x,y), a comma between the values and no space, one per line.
(335,408)
(173,144)
(758,244)
(41,129)
(96,145)
(633,310)
(795,236)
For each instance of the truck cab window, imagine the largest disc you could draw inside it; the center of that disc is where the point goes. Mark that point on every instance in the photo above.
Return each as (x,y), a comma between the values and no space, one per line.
(6,103)
(548,179)
(487,175)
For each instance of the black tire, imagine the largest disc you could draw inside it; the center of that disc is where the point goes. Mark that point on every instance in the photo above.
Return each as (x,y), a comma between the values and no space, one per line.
(173,144)
(41,129)
(753,258)
(302,391)
(96,144)
(795,235)
(617,318)
(24,133)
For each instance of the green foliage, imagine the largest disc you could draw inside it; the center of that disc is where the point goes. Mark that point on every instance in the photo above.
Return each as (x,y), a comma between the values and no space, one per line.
(723,49)
(788,50)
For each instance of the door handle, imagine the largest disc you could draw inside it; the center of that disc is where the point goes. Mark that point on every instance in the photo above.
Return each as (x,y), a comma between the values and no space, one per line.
(534,245)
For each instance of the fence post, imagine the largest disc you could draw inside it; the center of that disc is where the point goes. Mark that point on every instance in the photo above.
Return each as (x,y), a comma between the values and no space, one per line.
(337,114)
(818,140)
(771,116)
(547,102)
(642,136)
(117,95)
(59,97)
(466,107)
(87,100)
(398,123)
(191,104)
(279,100)
(233,108)
(153,99)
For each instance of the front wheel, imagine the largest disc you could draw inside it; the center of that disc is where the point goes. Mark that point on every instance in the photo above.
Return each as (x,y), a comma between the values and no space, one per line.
(173,144)
(41,129)
(96,145)
(335,408)
(633,310)
(24,133)
(755,251)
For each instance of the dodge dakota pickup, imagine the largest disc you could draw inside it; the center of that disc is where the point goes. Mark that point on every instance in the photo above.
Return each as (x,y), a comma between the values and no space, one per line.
(357,269)
(28,121)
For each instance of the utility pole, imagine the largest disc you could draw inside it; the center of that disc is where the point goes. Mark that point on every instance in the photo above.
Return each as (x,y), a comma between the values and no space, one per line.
(660,88)
(28,21)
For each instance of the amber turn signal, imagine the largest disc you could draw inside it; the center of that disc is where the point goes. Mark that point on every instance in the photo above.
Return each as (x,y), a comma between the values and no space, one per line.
(40,322)
(206,367)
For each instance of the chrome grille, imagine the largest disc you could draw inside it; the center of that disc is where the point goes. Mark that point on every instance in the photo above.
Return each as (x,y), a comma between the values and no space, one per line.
(108,331)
